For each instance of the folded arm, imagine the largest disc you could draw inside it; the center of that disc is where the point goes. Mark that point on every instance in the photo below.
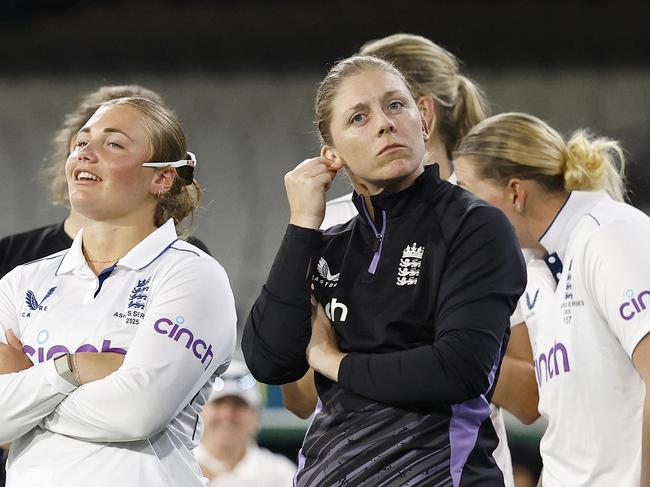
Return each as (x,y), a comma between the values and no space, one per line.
(484,277)
(188,333)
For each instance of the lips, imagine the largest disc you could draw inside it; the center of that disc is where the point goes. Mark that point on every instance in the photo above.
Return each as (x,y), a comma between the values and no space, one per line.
(390,148)
(81,175)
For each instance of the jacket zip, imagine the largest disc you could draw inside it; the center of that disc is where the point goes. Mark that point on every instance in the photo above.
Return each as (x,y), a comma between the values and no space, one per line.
(379,237)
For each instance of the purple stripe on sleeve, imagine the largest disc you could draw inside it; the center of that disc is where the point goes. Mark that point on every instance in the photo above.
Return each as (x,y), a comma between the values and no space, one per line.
(466,419)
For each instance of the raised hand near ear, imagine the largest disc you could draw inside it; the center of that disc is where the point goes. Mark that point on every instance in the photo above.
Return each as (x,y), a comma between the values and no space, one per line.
(306,186)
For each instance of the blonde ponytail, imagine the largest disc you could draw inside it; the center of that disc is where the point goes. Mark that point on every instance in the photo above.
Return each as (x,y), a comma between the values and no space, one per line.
(518,145)
(594,163)
(470,108)
(431,70)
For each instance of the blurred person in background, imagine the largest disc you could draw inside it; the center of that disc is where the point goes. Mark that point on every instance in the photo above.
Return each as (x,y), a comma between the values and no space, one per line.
(228,454)
(109,349)
(588,294)
(34,244)
(451,104)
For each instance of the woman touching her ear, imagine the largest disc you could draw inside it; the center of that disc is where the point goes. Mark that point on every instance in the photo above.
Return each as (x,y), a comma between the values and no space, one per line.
(450,104)
(402,313)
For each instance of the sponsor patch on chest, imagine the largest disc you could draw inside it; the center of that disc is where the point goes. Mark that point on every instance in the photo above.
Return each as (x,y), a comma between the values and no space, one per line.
(324,276)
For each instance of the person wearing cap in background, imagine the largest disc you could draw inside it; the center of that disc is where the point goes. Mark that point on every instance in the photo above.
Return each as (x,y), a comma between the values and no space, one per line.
(228,454)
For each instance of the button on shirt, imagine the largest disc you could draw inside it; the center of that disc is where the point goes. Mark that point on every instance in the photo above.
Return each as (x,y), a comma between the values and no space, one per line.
(584,323)
(169,307)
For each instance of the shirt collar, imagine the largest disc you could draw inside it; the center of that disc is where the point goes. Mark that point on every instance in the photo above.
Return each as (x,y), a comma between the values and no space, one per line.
(397,203)
(139,257)
(578,204)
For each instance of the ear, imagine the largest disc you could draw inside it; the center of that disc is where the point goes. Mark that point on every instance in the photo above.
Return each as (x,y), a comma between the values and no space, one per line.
(162,181)
(517,194)
(425,129)
(328,152)
(427,107)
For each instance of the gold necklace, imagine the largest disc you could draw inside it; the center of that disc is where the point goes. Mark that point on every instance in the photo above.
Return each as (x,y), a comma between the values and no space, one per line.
(100,261)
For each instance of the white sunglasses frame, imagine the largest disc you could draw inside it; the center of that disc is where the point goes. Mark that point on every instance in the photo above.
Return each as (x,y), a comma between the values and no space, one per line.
(183,162)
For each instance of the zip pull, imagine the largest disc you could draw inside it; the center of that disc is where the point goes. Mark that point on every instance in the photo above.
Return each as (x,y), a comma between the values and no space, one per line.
(377,243)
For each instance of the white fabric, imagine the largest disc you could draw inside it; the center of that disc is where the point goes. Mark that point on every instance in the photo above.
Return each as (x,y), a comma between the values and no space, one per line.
(258,468)
(341,210)
(167,303)
(583,332)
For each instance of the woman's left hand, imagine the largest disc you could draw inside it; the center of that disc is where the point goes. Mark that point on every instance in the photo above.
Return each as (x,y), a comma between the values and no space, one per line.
(323,352)
(12,357)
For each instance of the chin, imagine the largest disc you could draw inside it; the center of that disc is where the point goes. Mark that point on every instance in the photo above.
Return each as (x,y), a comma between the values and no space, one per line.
(399,170)
(88,210)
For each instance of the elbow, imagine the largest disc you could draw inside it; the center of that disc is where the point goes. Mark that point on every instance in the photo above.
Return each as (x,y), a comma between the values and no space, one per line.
(527,411)
(276,375)
(137,425)
(302,413)
(268,369)
(300,409)
(529,416)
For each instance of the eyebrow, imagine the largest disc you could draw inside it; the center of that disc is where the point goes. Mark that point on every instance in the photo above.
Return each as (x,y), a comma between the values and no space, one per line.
(107,131)
(388,94)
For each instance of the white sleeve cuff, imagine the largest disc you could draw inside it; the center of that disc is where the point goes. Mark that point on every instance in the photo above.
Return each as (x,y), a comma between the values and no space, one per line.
(53,377)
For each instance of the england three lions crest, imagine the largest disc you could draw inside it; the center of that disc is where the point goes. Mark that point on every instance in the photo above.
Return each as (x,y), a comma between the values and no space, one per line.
(324,276)
(409,265)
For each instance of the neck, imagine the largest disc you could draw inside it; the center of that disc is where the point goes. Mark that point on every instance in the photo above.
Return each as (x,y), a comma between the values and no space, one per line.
(105,243)
(368,188)
(542,208)
(437,153)
(73,223)
(230,454)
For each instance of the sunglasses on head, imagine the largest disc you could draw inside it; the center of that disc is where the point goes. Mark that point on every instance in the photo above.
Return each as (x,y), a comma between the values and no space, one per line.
(184,167)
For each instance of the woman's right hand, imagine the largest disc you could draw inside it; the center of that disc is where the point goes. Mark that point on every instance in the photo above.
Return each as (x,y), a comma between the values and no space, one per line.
(306,186)
(91,366)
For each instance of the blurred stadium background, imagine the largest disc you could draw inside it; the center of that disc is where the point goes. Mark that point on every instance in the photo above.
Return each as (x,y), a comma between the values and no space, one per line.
(242,75)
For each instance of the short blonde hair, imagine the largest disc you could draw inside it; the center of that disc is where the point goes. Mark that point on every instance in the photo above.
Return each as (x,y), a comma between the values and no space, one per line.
(329,87)
(518,145)
(54,170)
(433,71)
(167,143)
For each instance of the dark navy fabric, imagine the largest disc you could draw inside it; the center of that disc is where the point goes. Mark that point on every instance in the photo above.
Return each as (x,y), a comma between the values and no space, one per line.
(424,320)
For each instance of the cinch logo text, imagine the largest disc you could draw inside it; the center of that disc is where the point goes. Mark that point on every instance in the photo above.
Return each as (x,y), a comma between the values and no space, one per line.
(549,365)
(42,354)
(635,305)
(174,331)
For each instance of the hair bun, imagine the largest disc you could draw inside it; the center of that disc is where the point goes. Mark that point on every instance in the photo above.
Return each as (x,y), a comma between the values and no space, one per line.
(593,164)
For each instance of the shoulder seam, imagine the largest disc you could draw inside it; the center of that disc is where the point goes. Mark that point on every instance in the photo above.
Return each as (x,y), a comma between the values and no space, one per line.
(61,253)
(186,250)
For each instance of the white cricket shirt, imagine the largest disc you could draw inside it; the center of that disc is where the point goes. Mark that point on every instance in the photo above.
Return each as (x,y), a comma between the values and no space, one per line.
(587,306)
(341,210)
(169,307)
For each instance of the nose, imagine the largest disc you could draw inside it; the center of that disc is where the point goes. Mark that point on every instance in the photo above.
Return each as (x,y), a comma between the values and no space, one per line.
(386,125)
(86,153)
